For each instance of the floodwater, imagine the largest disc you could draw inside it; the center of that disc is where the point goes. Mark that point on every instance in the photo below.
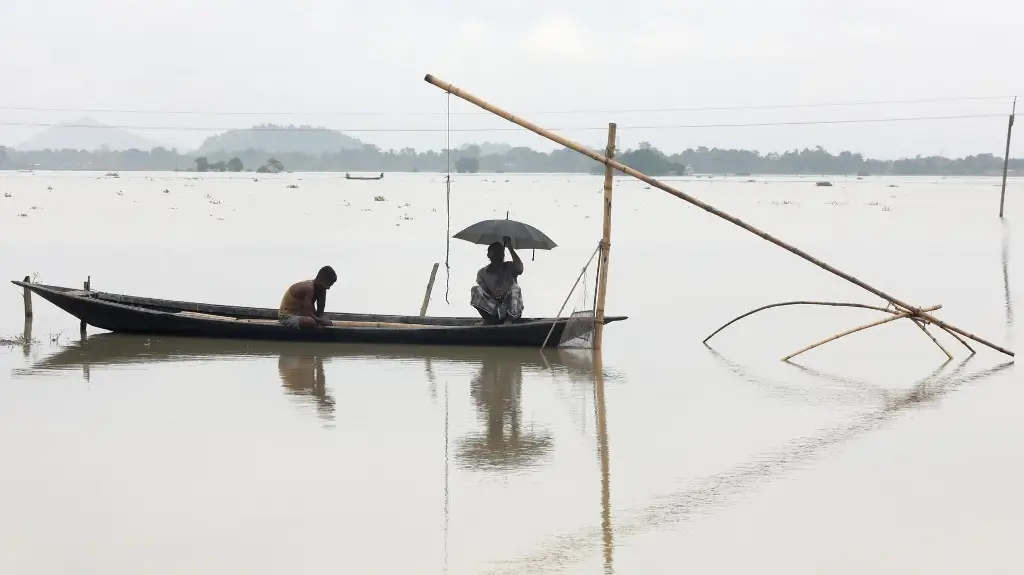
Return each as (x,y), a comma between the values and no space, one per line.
(871,454)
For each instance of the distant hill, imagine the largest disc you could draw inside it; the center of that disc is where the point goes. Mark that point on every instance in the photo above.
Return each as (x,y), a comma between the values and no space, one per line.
(86,134)
(276,139)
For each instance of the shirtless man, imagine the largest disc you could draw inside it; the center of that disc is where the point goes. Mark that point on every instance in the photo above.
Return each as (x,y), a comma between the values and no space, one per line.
(297,305)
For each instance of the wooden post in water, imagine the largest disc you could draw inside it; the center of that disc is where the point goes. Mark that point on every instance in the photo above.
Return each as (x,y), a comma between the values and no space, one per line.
(1006,157)
(430,288)
(87,285)
(606,240)
(28,299)
(914,311)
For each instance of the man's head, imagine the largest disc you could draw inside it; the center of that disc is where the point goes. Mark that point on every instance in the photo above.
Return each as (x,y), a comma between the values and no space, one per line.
(326,277)
(496,252)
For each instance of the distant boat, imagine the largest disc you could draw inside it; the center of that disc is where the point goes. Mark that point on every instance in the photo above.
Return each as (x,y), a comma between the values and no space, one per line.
(824,184)
(350,177)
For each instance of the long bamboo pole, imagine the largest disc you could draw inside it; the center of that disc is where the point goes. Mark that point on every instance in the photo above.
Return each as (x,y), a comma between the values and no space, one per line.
(1006,157)
(606,240)
(429,78)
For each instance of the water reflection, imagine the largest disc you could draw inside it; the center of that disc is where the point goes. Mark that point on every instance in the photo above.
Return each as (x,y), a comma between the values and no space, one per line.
(723,488)
(503,444)
(604,459)
(1007,298)
(302,376)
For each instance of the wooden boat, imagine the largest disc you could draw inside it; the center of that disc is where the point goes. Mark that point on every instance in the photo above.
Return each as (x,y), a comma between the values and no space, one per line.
(350,177)
(141,315)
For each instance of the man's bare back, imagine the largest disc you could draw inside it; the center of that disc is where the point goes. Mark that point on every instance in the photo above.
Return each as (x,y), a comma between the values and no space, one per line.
(303,303)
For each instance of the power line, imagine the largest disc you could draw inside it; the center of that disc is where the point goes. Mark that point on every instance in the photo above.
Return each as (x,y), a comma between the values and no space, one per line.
(505,129)
(547,112)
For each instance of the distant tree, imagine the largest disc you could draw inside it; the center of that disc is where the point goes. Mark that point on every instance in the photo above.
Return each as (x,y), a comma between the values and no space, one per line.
(275,165)
(467,165)
(235,165)
(202,164)
(220,166)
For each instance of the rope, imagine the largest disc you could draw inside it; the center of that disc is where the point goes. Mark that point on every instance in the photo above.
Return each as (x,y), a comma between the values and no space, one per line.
(448,201)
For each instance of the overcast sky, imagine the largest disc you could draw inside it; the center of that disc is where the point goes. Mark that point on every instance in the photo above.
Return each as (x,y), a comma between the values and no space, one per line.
(320,61)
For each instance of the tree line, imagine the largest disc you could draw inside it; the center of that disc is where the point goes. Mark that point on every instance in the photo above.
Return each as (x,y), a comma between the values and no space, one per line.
(645,158)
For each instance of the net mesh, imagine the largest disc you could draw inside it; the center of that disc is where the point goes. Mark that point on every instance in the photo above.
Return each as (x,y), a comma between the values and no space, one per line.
(581,321)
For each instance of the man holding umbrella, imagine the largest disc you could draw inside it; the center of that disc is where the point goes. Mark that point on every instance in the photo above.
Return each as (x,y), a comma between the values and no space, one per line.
(496,294)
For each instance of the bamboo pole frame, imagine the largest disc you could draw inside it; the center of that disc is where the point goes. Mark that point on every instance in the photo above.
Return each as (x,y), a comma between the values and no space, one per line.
(913,311)
(606,240)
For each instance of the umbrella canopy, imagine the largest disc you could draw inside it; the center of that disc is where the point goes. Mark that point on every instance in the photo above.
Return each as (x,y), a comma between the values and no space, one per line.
(524,236)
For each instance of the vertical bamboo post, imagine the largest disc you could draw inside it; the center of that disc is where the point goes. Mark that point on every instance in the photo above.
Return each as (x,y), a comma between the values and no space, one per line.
(1006,156)
(430,288)
(28,299)
(87,285)
(606,239)
(26,337)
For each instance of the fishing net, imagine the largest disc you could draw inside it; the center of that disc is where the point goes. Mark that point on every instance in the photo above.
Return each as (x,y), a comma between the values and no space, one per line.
(581,321)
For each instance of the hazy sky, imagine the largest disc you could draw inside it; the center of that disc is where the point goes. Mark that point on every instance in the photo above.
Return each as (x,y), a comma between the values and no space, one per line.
(321,61)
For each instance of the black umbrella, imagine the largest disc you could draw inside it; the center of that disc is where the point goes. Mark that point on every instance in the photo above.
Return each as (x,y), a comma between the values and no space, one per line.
(524,236)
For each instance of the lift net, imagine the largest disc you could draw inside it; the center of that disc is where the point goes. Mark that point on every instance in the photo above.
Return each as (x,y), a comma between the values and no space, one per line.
(582,320)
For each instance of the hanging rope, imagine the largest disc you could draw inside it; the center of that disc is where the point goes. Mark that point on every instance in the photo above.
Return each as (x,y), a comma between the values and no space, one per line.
(448,200)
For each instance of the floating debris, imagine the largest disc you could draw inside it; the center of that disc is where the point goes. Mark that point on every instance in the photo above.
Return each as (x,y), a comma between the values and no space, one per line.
(823,184)
(292,186)
(379,199)
(166,191)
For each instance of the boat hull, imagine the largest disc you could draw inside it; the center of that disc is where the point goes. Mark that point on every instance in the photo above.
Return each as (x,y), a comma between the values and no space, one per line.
(137,315)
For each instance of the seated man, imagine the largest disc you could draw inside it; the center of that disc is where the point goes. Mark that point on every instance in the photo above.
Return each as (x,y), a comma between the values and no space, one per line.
(496,294)
(297,305)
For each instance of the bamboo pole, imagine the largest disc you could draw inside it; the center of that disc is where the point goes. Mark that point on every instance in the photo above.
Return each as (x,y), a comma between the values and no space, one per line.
(26,337)
(430,288)
(27,295)
(87,285)
(921,325)
(606,240)
(1006,156)
(918,312)
(802,302)
(853,330)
